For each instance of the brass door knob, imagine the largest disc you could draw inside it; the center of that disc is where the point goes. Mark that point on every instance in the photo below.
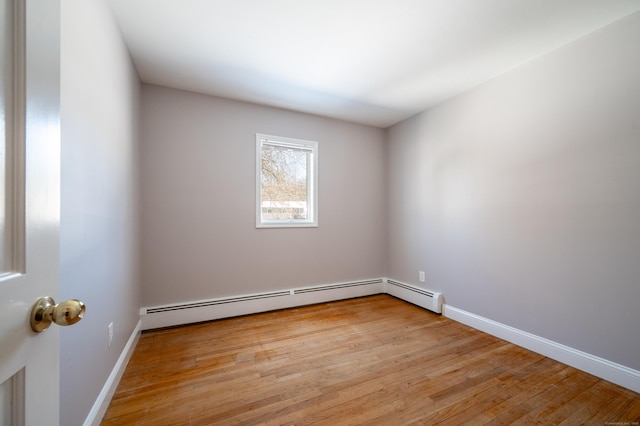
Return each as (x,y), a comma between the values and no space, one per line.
(64,313)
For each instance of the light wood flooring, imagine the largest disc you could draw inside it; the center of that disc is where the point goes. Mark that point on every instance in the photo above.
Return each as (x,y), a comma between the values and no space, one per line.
(374,360)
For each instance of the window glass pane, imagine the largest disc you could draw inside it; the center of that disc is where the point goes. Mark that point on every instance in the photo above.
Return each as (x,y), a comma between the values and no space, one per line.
(284,183)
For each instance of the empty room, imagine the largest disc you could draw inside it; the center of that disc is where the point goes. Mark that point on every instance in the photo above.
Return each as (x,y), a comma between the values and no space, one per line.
(320,212)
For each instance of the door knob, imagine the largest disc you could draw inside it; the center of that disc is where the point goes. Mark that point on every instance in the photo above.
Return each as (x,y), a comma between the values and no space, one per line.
(64,313)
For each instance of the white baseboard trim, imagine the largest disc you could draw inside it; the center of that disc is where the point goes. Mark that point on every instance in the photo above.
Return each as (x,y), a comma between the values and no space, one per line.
(599,367)
(104,398)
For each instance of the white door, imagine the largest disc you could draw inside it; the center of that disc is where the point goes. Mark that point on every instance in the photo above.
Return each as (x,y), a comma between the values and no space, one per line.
(29,207)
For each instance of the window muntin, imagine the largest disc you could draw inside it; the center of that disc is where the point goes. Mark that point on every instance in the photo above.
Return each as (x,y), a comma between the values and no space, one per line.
(286,182)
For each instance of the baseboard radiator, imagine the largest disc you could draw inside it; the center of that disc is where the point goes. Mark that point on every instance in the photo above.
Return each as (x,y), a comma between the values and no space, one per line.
(430,300)
(226,307)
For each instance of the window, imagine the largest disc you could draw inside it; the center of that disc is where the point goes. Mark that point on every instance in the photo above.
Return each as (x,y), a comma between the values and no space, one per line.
(286,182)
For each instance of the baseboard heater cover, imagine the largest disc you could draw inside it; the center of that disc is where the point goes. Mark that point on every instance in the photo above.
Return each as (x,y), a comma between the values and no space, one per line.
(214,302)
(336,286)
(211,309)
(427,299)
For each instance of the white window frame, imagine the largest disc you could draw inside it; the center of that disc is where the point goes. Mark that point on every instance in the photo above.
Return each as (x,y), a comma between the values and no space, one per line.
(312,181)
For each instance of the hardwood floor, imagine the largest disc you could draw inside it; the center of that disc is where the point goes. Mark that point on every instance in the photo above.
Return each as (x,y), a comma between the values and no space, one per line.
(374,360)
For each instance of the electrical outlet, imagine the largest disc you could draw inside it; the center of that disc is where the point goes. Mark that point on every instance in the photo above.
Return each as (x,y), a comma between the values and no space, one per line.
(110,328)
(421,276)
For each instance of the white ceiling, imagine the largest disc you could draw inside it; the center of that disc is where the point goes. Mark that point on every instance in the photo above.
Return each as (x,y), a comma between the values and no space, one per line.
(374,62)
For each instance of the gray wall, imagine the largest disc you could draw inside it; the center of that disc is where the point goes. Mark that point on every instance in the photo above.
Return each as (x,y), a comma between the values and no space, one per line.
(521,198)
(99,231)
(199,238)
